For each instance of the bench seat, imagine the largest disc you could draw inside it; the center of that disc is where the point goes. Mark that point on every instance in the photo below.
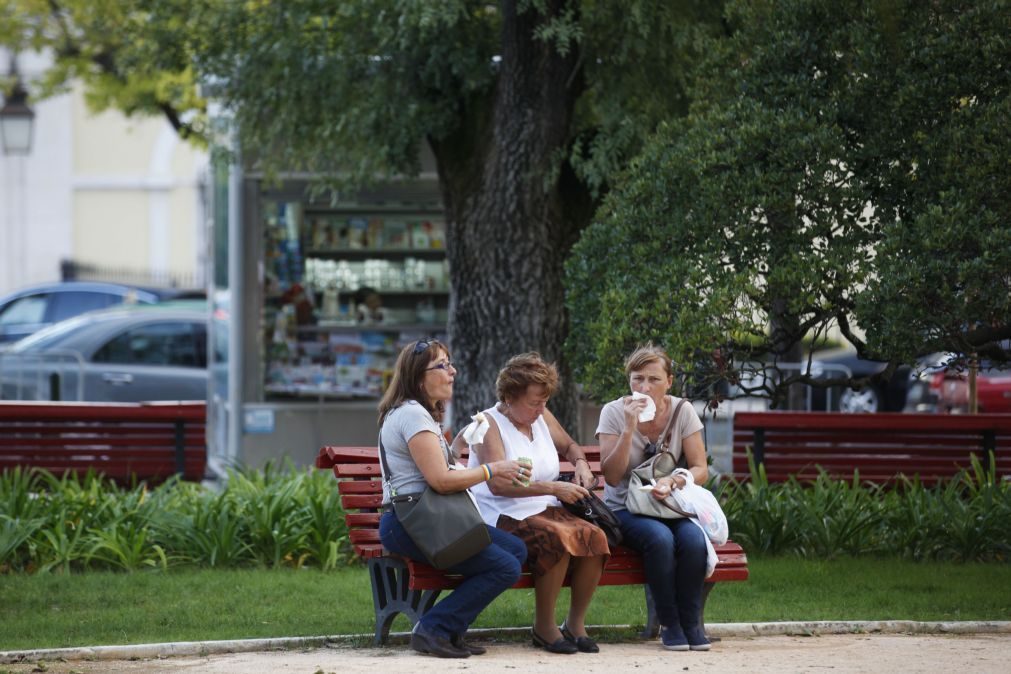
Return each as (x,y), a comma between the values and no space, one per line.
(401,585)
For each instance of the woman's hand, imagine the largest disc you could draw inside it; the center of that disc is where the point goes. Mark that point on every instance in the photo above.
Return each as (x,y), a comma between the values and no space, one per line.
(568,492)
(632,407)
(665,485)
(584,476)
(510,470)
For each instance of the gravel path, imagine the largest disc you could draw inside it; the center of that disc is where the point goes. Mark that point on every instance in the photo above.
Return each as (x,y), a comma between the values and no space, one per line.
(962,653)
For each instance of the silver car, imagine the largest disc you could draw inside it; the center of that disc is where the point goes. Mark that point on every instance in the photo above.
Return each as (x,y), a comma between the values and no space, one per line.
(126,354)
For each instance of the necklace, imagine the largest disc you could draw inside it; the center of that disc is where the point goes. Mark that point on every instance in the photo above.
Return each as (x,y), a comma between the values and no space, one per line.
(525,429)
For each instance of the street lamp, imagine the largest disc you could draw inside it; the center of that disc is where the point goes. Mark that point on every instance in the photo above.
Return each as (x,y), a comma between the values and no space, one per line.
(16,118)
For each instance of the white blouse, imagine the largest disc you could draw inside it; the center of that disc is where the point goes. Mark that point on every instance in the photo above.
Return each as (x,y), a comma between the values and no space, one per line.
(541,450)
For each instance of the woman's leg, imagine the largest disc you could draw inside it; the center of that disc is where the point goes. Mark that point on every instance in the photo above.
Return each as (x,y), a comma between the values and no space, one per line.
(584,579)
(691,552)
(655,542)
(546,589)
(487,574)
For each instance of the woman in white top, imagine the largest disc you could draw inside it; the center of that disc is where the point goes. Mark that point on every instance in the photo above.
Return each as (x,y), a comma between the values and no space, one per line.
(558,543)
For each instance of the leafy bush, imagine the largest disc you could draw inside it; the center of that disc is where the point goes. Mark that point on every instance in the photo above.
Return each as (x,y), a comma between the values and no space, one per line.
(962,519)
(268,518)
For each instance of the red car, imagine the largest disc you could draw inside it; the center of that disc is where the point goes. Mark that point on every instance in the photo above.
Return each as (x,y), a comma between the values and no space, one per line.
(993,390)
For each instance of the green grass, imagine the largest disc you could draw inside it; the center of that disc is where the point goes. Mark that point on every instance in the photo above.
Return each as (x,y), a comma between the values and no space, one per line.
(58,610)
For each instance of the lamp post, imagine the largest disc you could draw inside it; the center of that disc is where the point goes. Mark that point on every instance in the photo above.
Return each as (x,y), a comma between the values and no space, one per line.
(16,117)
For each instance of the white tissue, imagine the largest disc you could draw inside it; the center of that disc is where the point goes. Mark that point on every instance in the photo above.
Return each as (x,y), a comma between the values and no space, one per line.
(474,433)
(650,411)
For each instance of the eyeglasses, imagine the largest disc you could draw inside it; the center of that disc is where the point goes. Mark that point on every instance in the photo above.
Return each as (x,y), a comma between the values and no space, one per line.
(441,366)
(420,346)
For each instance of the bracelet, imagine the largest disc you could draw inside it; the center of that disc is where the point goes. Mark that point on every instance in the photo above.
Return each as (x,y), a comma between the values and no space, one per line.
(583,459)
(487,472)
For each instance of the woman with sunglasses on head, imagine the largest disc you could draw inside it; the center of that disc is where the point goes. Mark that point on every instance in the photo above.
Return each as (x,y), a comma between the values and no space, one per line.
(673,550)
(410,417)
(558,543)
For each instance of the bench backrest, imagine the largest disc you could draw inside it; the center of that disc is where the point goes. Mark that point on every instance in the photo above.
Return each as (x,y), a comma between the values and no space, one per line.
(361,490)
(123,441)
(879,446)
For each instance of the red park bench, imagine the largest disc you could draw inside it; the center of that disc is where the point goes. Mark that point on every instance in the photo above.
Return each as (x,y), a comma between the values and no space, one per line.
(879,446)
(401,585)
(123,441)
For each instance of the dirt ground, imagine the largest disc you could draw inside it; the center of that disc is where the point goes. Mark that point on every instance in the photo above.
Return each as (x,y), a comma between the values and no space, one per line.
(835,653)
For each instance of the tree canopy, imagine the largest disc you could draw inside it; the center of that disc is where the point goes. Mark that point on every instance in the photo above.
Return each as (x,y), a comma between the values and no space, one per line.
(529,106)
(844,163)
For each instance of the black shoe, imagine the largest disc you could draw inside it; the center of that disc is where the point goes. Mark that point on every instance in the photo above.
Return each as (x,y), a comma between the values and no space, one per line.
(458,641)
(437,646)
(584,644)
(561,645)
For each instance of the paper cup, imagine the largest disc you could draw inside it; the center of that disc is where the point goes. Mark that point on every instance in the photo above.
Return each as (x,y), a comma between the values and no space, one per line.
(529,463)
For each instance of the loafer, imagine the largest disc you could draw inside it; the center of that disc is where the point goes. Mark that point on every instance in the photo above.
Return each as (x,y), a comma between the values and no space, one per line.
(458,641)
(440,647)
(697,640)
(584,644)
(560,645)
(673,638)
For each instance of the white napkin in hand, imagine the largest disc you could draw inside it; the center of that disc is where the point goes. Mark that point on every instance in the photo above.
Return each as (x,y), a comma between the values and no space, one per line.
(650,411)
(474,433)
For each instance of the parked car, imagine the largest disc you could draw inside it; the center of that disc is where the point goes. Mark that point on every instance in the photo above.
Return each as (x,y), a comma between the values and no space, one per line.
(877,396)
(993,389)
(28,310)
(125,354)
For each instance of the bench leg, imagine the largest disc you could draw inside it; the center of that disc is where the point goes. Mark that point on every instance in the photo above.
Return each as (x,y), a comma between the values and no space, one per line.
(391,596)
(652,629)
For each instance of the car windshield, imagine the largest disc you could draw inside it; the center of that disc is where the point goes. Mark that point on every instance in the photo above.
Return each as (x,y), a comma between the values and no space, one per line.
(51,337)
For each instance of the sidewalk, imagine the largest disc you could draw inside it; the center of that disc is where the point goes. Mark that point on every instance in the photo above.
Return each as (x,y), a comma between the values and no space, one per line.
(768,647)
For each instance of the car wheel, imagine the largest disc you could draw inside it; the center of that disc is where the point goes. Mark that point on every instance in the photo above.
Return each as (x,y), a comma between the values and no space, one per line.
(864,400)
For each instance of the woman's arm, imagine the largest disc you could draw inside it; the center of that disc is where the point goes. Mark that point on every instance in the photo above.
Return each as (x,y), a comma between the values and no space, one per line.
(570,450)
(492,450)
(695,454)
(615,449)
(427,454)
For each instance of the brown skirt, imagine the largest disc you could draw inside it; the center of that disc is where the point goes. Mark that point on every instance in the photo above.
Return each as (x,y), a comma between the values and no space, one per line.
(552,534)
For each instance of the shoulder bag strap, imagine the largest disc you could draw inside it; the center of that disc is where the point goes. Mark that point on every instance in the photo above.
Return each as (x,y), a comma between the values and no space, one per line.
(664,440)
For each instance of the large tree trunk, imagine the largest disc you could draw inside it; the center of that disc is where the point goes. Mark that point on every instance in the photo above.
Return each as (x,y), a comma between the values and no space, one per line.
(510,227)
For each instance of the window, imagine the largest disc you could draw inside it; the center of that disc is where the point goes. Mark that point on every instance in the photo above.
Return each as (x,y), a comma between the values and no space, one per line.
(27,310)
(67,304)
(176,343)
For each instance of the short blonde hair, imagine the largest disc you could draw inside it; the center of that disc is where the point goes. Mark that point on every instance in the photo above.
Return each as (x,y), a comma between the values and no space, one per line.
(644,355)
(523,370)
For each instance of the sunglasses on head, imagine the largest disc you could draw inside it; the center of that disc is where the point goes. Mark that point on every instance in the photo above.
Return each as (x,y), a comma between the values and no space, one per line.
(420,346)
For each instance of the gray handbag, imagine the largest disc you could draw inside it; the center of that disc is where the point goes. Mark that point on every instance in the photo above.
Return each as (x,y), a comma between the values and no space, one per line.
(662,464)
(447,528)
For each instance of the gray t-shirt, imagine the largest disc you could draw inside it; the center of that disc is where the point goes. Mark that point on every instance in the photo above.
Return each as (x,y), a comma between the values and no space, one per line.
(400,425)
(612,422)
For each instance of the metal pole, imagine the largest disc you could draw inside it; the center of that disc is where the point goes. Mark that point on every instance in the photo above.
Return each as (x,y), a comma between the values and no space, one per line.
(236,305)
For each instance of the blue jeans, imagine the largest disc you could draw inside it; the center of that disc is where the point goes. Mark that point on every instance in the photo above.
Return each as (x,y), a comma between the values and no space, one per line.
(487,575)
(674,557)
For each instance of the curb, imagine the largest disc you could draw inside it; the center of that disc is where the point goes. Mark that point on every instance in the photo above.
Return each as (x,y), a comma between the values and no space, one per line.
(205,648)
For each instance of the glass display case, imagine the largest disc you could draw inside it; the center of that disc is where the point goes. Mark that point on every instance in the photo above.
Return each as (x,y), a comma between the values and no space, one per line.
(345,287)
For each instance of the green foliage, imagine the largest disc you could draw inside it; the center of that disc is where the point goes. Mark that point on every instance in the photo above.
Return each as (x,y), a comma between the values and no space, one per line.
(962,519)
(840,167)
(271,518)
(130,55)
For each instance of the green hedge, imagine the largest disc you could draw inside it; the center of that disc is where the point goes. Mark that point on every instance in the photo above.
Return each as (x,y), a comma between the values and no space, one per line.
(292,518)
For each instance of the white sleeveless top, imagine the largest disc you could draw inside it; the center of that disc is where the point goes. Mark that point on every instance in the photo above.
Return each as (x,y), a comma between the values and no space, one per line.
(541,449)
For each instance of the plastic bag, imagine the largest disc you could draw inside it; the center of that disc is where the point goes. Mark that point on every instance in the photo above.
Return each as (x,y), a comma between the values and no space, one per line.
(701,502)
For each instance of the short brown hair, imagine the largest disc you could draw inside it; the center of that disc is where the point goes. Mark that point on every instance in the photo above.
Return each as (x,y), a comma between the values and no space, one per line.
(409,375)
(644,355)
(523,370)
